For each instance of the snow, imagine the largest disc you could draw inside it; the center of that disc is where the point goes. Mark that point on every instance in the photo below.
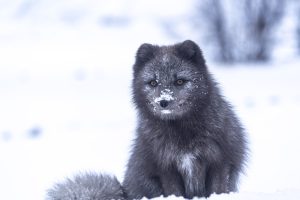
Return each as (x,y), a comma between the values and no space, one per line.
(65,97)
(165,94)
(291,195)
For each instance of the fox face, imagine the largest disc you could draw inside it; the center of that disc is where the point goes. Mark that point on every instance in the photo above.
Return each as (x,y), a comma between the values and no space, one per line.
(169,81)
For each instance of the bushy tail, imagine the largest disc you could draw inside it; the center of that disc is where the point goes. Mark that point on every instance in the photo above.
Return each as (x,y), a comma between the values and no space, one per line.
(89,186)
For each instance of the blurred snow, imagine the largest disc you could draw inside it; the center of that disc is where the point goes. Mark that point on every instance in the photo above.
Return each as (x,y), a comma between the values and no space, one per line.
(65,98)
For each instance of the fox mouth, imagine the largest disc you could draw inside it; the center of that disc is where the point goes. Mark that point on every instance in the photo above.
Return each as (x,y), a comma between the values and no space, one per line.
(167,114)
(163,113)
(170,112)
(166,111)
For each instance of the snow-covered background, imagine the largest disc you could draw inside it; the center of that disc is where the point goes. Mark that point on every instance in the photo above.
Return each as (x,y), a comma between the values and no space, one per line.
(65,105)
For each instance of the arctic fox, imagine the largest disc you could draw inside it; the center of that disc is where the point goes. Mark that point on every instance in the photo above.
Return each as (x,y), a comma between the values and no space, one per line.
(189,142)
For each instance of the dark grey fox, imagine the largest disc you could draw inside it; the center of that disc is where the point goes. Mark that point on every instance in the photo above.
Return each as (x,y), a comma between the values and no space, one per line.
(189,142)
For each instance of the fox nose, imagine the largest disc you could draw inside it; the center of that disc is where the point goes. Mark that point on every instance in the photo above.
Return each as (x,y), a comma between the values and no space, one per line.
(164,103)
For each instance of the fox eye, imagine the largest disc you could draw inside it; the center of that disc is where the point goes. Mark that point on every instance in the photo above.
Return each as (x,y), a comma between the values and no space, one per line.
(179,82)
(153,83)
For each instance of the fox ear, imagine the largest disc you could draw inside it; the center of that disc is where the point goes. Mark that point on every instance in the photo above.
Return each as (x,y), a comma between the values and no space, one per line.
(145,53)
(189,50)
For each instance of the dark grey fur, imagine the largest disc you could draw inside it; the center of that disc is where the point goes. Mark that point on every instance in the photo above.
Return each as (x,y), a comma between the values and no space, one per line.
(90,186)
(189,142)
(190,145)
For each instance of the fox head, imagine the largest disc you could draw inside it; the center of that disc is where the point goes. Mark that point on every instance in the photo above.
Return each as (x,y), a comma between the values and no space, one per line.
(170,81)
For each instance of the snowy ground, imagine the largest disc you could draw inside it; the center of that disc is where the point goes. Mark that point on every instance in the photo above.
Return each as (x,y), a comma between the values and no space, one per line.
(65,105)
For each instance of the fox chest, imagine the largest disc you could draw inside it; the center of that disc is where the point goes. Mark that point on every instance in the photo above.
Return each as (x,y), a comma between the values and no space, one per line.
(189,157)
(170,156)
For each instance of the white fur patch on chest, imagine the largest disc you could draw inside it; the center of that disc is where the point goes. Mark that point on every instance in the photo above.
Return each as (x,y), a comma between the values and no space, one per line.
(187,163)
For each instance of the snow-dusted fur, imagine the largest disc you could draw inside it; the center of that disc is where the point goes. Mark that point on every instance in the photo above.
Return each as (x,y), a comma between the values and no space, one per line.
(89,186)
(189,141)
